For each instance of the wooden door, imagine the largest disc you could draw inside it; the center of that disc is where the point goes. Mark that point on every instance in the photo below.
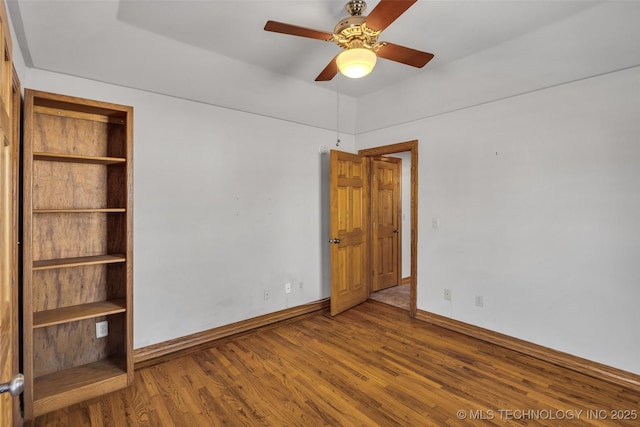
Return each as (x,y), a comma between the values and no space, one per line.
(386,232)
(9,139)
(349,227)
(7,281)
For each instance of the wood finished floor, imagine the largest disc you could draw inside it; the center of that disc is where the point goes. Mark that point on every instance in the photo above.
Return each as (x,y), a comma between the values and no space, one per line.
(370,366)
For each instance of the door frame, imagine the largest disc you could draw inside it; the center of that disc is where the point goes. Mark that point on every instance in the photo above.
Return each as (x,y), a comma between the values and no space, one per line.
(411,146)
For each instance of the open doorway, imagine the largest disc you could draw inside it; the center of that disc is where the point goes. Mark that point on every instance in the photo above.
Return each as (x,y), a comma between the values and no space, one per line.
(404,295)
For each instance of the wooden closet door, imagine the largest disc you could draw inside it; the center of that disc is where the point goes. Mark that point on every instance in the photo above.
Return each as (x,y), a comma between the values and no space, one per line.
(9,152)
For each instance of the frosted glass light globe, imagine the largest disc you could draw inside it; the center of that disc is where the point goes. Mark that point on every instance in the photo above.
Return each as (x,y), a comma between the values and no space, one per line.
(356,63)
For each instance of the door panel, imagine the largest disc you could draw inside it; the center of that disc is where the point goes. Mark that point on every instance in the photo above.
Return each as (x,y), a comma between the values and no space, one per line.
(6,291)
(9,153)
(349,222)
(386,233)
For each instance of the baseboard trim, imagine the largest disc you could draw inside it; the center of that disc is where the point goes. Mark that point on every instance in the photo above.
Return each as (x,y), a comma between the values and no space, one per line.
(406,280)
(565,360)
(157,353)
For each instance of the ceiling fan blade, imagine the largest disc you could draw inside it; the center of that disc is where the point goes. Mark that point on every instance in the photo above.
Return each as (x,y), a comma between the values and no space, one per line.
(404,55)
(329,71)
(294,30)
(386,12)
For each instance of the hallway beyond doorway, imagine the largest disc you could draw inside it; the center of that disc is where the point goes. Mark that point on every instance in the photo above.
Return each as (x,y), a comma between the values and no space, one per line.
(397,296)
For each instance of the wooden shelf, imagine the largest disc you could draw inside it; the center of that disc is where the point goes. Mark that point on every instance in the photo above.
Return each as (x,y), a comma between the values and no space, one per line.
(74,158)
(74,313)
(78,384)
(79,261)
(82,210)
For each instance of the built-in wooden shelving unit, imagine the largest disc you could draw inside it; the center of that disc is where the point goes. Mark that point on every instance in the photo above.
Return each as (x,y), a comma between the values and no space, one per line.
(78,249)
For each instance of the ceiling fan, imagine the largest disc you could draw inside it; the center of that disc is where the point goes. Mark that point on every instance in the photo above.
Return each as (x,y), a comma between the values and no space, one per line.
(358,36)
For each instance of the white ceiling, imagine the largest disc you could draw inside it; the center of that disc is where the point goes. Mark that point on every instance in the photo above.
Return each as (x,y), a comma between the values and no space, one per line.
(132,43)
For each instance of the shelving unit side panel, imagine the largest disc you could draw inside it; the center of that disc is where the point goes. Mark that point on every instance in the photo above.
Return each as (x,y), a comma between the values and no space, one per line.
(117,142)
(117,282)
(27,260)
(116,183)
(68,135)
(65,346)
(129,265)
(116,234)
(67,235)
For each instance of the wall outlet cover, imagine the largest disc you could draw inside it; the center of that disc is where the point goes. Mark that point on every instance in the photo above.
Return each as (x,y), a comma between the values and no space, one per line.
(102,329)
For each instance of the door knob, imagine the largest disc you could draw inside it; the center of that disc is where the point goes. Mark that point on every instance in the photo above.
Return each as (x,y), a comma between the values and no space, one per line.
(14,386)
(395,230)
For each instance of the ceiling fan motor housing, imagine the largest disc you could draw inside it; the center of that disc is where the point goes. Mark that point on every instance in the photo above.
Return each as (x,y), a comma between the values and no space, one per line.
(352,32)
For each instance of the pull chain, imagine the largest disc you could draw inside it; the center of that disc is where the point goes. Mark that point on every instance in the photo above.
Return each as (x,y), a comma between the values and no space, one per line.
(337,114)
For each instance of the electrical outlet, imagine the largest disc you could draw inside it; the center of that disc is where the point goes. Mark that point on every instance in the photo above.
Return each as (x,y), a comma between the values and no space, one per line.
(102,329)
(447,294)
(267,294)
(287,288)
(479,301)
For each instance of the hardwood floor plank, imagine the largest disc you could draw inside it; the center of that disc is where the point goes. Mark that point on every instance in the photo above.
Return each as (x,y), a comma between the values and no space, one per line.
(369,366)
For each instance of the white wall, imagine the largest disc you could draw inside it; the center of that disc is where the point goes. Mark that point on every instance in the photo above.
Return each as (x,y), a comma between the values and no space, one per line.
(538,202)
(18,60)
(226,205)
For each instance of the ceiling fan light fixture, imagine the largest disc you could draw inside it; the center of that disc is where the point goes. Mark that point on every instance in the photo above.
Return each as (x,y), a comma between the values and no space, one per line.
(357,62)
